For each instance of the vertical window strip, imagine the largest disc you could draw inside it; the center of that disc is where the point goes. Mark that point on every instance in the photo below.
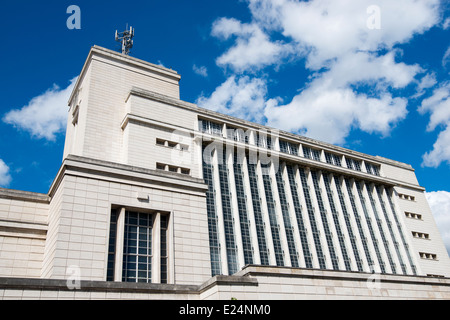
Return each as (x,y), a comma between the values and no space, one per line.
(337,223)
(351,234)
(358,219)
(400,231)
(214,243)
(299,216)
(389,224)
(369,225)
(242,206)
(163,247)
(326,225)
(228,220)
(286,219)
(112,246)
(382,232)
(274,226)
(312,221)
(259,222)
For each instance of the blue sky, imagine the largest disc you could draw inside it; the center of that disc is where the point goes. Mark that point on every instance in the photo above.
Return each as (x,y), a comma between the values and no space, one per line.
(369,75)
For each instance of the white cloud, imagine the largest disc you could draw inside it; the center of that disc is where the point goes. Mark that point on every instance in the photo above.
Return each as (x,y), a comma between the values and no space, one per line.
(343,54)
(439,202)
(446,24)
(438,105)
(446,58)
(241,97)
(440,152)
(5,177)
(329,108)
(253,48)
(45,115)
(330,114)
(201,71)
(427,81)
(333,28)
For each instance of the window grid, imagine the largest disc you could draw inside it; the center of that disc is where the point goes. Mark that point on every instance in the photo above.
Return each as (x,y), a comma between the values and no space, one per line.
(288,147)
(263,140)
(237,134)
(312,220)
(400,231)
(353,164)
(326,225)
(381,229)
(372,169)
(336,222)
(137,253)
(259,222)
(274,226)
(242,206)
(369,225)
(347,218)
(286,219)
(214,244)
(310,153)
(333,159)
(299,216)
(389,224)
(210,127)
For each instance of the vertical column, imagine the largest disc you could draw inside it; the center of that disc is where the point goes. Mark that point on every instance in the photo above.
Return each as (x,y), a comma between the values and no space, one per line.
(295,214)
(266,216)
(349,221)
(349,203)
(283,217)
(119,246)
(390,195)
(393,243)
(156,253)
(213,228)
(338,228)
(369,189)
(239,214)
(301,220)
(255,202)
(218,156)
(370,226)
(171,249)
(323,222)
(321,255)
(392,230)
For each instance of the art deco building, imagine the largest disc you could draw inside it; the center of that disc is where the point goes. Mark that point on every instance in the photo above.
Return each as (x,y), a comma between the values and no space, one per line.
(158,198)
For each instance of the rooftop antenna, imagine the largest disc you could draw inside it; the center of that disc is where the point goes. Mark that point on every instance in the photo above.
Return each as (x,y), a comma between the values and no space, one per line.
(126,38)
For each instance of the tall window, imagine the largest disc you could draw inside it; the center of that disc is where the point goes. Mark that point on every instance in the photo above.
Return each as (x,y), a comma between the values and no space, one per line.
(164,252)
(137,251)
(138,248)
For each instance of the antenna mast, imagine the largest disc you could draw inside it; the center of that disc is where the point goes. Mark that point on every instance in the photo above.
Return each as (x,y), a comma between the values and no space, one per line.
(126,38)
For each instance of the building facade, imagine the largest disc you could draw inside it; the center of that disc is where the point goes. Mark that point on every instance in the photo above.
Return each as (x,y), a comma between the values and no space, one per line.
(157,197)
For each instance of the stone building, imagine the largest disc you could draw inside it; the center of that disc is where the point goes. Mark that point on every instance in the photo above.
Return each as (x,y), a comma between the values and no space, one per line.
(157,198)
